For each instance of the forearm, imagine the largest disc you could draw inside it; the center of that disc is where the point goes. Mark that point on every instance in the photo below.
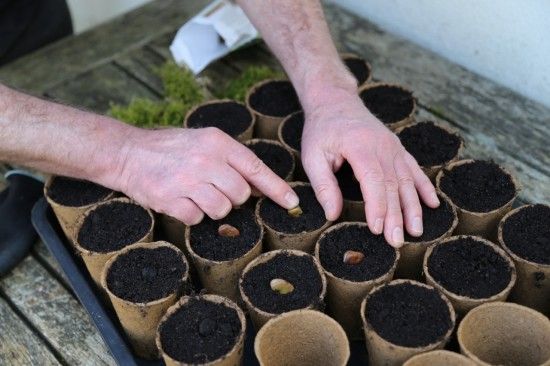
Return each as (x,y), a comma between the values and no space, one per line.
(58,139)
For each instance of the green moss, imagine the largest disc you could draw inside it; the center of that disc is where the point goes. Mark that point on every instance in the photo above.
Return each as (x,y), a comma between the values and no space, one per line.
(179,84)
(147,113)
(237,88)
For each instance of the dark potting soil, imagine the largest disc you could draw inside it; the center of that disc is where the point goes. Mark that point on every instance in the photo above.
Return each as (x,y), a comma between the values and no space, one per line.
(527,233)
(470,268)
(379,255)
(76,192)
(358,68)
(436,222)
(292,131)
(113,226)
(277,98)
(207,243)
(388,103)
(351,190)
(300,271)
(200,331)
(408,315)
(231,117)
(276,157)
(480,186)
(144,275)
(312,218)
(429,144)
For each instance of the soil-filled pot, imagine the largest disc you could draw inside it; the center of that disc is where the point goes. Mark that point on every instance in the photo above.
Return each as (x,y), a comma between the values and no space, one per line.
(403,318)
(525,235)
(173,230)
(470,271)
(302,337)
(271,101)
(288,231)
(354,205)
(439,358)
(358,67)
(143,281)
(354,261)
(231,117)
(280,281)
(276,156)
(501,333)
(70,198)
(433,146)
(482,191)
(392,104)
(439,223)
(220,249)
(290,135)
(202,330)
(107,228)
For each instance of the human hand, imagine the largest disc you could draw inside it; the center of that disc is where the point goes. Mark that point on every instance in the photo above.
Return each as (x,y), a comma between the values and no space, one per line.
(391,181)
(188,172)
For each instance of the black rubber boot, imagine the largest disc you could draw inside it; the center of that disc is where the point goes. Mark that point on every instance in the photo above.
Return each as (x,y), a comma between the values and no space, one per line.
(17,234)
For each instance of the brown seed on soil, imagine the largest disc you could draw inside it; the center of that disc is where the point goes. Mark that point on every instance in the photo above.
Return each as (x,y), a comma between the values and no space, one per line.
(353,257)
(228,231)
(283,287)
(295,212)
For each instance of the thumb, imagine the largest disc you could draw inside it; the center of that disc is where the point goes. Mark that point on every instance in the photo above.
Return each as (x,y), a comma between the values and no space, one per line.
(325,185)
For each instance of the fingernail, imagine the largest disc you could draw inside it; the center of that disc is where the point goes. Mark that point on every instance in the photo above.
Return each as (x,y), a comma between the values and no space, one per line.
(397,236)
(417,225)
(292,199)
(435,198)
(378,226)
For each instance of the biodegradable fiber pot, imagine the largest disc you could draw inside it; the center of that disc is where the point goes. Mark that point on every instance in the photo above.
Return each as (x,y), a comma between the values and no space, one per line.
(275,155)
(221,249)
(432,145)
(501,333)
(392,104)
(302,337)
(358,67)
(173,230)
(143,281)
(285,231)
(354,205)
(280,281)
(107,228)
(202,330)
(439,223)
(354,261)
(524,233)
(439,358)
(482,192)
(470,271)
(271,101)
(290,135)
(230,116)
(403,318)
(70,198)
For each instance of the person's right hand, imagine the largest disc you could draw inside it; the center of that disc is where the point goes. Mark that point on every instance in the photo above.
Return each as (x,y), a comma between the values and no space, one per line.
(185,173)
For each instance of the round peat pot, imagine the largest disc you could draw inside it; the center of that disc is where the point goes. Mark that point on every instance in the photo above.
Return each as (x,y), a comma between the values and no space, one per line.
(403,318)
(231,117)
(354,205)
(439,358)
(392,104)
(70,198)
(107,228)
(220,249)
(290,135)
(354,261)
(439,223)
(501,333)
(302,337)
(433,146)
(524,233)
(280,281)
(271,101)
(276,156)
(202,330)
(173,230)
(359,68)
(143,281)
(482,192)
(286,231)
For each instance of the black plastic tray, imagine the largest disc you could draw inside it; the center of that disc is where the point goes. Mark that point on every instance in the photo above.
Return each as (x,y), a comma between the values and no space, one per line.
(103,316)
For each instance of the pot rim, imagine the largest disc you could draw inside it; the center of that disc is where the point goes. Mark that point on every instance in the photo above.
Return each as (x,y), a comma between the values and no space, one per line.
(49,182)
(350,55)
(377,84)
(254,88)
(254,141)
(280,132)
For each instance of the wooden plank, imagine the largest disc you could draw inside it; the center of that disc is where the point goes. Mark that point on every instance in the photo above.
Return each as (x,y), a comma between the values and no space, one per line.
(73,55)
(55,313)
(142,64)
(18,344)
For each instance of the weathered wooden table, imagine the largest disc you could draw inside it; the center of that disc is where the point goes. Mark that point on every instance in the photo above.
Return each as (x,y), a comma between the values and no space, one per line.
(42,322)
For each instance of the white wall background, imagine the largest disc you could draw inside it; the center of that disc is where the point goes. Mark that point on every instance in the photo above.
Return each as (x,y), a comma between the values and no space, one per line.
(507,41)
